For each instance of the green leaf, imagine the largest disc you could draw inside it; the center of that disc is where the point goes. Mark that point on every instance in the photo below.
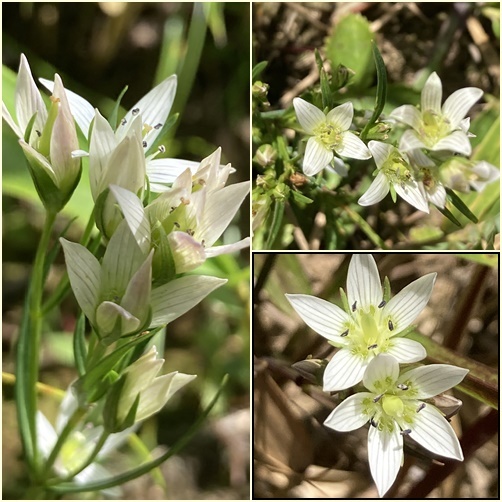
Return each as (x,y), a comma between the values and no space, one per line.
(299,197)
(275,226)
(258,68)
(460,205)
(113,116)
(350,46)
(446,212)
(381,94)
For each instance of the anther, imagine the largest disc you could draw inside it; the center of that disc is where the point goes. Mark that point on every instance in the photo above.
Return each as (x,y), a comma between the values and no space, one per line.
(377,398)
(158,126)
(176,224)
(123,121)
(203,243)
(345,333)
(135,111)
(145,144)
(190,232)
(374,346)
(382,304)
(162,149)
(421,407)
(391,326)
(373,423)
(354,306)
(406,432)
(402,386)
(38,133)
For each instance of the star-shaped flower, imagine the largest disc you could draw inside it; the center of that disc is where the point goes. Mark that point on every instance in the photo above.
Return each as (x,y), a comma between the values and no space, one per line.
(436,127)
(369,327)
(394,174)
(330,135)
(394,408)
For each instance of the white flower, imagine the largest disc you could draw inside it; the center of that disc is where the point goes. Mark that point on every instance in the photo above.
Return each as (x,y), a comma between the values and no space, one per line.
(394,408)
(435,127)
(154,391)
(191,215)
(330,134)
(369,327)
(78,446)
(394,172)
(464,174)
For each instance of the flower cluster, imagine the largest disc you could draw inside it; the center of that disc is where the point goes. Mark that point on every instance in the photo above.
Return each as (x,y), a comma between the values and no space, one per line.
(431,157)
(134,285)
(369,332)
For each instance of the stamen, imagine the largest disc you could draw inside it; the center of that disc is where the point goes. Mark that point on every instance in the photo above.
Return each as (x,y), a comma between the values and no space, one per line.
(158,126)
(354,306)
(203,243)
(145,144)
(38,133)
(123,121)
(382,304)
(391,326)
(176,224)
(190,232)
(374,346)
(402,386)
(406,432)
(162,149)
(185,201)
(345,333)
(372,422)
(421,407)
(135,111)
(171,210)
(377,398)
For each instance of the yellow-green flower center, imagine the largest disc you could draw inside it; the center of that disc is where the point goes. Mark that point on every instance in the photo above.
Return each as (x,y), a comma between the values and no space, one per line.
(74,453)
(397,169)
(433,127)
(329,135)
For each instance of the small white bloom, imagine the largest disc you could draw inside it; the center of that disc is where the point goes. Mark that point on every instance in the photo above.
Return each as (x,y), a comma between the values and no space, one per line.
(370,327)
(436,127)
(394,170)
(464,174)
(330,134)
(154,391)
(394,408)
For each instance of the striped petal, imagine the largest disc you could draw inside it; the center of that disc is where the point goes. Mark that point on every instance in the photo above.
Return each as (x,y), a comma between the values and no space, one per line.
(343,371)
(308,115)
(317,157)
(363,282)
(348,415)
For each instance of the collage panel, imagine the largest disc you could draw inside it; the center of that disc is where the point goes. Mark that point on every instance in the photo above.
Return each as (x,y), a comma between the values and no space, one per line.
(376,125)
(376,376)
(126,250)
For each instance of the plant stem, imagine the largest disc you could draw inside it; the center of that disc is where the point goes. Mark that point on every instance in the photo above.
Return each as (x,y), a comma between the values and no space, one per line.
(35,332)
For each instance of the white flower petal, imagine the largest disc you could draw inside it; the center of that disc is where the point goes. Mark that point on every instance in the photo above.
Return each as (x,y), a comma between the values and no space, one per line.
(383,369)
(406,351)
(411,193)
(317,157)
(348,415)
(167,170)
(380,152)
(432,94)
(457,142)
(308,115)
(11,122)
(84,272)
(323,317)
(228,248)
(173,299)
(154,109)
(341,116)
(407,114)
(434,433)
(376,192)
(486,172)
(352,147)
(46,435)
(431,380)
(106,317)
(343,371)
(418,158)
(457,105)
(409,141)
(363,282)
(409,302)
(385,454)
(81,109)
(437,195)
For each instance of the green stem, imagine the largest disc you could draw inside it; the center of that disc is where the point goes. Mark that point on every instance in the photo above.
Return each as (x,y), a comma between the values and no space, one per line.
(36,318)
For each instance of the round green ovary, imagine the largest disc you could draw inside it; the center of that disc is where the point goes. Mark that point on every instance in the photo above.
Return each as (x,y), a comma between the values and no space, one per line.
(433,128)
(370,334)
(329,135)
(397,169)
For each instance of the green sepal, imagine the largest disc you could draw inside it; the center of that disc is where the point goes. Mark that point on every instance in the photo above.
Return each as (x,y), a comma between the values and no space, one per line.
(446,212)
(163,264)
(345,301)
(257,69)
(29,128)
(99,212)
(79,345)
(386,289)
(393,193)
(113,116)
(111,408)
(299,197)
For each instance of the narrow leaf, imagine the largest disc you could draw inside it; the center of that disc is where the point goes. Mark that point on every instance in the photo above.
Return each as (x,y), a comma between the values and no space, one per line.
(79,346)
(459,204)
